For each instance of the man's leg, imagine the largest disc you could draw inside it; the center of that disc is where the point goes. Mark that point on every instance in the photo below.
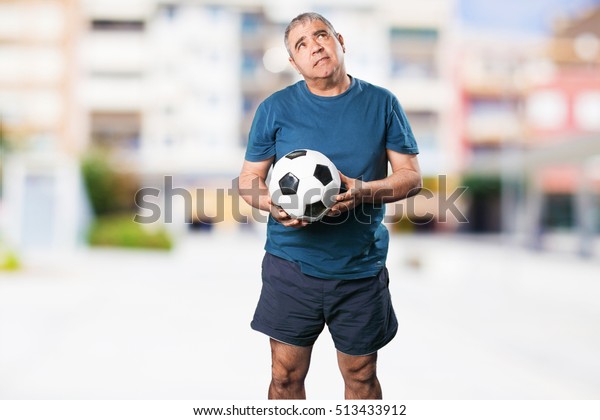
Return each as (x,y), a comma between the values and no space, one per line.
(288,371)
(360,376)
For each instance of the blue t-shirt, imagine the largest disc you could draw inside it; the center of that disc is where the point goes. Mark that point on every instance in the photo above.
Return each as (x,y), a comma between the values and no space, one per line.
(353,129)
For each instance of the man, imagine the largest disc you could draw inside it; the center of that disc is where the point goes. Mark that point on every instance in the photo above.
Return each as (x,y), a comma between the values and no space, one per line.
(330,272)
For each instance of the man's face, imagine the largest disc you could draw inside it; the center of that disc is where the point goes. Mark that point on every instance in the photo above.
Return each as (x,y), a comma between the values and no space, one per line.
(316,52)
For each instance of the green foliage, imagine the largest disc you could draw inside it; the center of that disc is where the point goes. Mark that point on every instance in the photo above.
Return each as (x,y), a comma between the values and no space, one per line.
(122,231)
(482,185)
(109,191)
(111,194)
(9,261)
(98,179)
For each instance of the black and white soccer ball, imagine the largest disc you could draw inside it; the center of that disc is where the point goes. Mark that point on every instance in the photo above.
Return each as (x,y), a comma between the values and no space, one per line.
(304,184)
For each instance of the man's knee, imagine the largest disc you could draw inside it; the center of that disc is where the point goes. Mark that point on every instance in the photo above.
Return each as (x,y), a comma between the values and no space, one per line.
(360,371)
(289,364)
(287,377)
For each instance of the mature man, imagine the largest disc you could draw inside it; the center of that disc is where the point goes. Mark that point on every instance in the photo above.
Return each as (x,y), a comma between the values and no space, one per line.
(330,272)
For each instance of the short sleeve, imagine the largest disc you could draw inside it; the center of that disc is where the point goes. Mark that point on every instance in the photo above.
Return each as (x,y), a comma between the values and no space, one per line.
(400,137)
(261,139)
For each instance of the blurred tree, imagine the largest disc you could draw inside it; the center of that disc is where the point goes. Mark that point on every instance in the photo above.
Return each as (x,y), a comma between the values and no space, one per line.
(112,197)
(8,260)
(484,211)
(108,190)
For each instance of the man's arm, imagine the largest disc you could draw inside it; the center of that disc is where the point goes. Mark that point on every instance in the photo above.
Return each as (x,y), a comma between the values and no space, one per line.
(253,189)
(404,181)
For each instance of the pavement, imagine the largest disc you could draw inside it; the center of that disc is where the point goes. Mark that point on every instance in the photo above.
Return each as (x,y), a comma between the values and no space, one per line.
(479,320)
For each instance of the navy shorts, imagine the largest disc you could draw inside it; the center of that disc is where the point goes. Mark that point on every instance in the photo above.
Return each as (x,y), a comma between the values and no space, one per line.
(294,308)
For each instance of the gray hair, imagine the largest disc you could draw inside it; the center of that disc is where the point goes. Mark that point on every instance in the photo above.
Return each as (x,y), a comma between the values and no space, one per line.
(304,18)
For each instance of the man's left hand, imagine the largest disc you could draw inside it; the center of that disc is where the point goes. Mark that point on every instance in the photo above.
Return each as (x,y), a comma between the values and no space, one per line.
(349,199)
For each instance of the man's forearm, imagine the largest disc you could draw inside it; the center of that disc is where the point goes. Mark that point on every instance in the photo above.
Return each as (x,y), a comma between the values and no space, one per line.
(397,186)
(254,191)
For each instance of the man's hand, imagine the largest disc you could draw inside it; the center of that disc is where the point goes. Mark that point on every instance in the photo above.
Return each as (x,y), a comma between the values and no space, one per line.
(351,198)
(403,182)
(285,219)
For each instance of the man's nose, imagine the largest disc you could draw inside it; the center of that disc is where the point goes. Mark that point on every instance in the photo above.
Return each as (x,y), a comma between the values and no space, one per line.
(316,47)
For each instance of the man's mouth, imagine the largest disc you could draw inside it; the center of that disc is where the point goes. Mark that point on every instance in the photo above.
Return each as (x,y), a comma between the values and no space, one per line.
(320,60)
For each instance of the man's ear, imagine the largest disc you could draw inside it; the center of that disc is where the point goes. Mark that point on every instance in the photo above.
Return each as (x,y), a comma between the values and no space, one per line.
(293,63)
(341,40)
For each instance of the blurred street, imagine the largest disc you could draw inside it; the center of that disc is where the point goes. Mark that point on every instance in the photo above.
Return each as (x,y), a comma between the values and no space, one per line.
(478,320)
(111,110)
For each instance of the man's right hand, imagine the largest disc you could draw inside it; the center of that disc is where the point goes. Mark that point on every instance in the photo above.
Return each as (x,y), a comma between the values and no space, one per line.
(253,189)
(285,219)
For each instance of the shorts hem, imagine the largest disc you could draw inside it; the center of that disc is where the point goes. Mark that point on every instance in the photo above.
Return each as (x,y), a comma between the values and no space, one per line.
(375,348)
(277,336)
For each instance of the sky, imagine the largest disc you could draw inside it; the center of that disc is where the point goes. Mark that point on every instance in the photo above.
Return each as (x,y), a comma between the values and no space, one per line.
(525,16)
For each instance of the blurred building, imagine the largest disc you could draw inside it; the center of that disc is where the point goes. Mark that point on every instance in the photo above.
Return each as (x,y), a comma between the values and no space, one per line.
(420,39)
(531,113)
(170,89)
(563,122)
(162,92)
(41,202)
(492,82)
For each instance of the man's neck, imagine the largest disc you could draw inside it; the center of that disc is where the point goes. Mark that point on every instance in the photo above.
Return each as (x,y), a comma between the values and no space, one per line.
(329,86)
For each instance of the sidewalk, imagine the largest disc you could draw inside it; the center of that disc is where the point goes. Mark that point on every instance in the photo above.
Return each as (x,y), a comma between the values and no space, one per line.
(477,321)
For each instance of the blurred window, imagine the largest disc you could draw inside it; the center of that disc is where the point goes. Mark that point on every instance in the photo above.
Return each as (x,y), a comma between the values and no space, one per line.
(117,25)
(492,119)
(424,125)
(251,23)
(413,52)
(587,111)
(248,105)
(116,130)
(169,11)
(558,211)
(251,61)
(116,74)
(39,198)
(547,109)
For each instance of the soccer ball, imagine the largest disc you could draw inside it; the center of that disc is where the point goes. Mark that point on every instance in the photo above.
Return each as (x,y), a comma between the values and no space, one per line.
(304,183)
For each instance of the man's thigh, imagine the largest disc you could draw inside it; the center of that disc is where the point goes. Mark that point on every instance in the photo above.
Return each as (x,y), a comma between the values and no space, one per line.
(287,358)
